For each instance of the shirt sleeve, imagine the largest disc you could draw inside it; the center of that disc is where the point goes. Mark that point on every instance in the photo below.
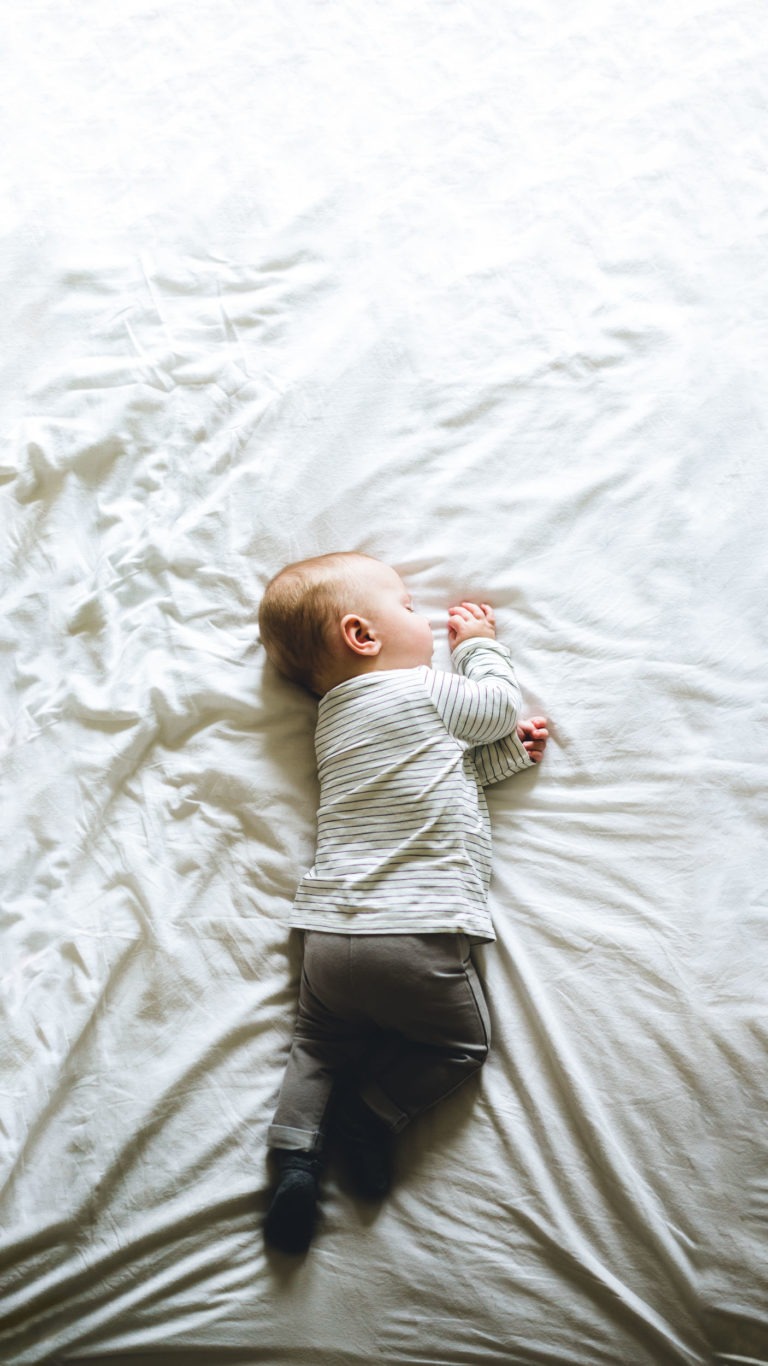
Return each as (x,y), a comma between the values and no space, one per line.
(501,759)
(480,703)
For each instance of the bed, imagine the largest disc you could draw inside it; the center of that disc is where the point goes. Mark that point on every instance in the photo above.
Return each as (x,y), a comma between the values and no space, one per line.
(481,291)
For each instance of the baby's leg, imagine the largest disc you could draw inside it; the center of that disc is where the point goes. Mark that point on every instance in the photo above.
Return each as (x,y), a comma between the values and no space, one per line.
(431,995)
(329,1035)
(324,1042)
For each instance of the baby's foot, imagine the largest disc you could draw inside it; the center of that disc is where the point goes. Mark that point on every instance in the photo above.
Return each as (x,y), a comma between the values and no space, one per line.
(290,1220)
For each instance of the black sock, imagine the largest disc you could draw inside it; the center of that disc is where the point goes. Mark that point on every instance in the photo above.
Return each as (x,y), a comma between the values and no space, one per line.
(290,1220)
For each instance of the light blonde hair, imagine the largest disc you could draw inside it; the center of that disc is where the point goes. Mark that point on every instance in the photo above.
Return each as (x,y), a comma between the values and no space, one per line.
(300,606)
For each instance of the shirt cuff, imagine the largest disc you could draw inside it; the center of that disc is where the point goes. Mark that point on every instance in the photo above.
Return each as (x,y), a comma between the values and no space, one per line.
(468,646)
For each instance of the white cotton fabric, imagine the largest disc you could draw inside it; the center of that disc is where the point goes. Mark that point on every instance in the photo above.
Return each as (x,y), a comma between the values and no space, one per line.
(403,832)
(481,290)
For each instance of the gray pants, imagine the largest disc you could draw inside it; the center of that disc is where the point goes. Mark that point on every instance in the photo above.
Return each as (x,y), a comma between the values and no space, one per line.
(404,1013)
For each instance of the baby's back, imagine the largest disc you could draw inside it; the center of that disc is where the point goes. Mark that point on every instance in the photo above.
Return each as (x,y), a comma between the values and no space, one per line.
(398,796)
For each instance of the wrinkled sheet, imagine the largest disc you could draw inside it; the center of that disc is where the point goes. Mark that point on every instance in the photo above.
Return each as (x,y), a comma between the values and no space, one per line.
(480,290)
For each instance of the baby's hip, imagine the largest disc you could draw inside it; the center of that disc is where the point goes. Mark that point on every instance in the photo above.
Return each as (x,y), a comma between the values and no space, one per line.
(385,978)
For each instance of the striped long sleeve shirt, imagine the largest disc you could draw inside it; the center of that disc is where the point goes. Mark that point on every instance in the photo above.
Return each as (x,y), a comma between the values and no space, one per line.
(403,833)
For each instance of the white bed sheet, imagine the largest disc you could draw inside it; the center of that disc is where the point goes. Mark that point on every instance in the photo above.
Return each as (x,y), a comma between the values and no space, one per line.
(480,290)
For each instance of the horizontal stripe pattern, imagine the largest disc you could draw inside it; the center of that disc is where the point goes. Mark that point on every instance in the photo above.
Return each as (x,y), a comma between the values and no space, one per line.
(403,835)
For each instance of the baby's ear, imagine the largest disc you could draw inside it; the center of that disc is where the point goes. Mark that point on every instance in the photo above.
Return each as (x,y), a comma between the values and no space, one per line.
(359,635)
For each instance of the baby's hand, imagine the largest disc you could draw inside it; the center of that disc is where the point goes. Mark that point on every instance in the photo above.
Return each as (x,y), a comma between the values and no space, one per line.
(534,735)
(467,620)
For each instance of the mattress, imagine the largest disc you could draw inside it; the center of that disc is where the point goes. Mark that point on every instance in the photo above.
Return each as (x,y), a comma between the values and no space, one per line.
(480,291)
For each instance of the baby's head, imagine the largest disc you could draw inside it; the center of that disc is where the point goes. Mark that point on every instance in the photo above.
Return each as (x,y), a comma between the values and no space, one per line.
(331,618)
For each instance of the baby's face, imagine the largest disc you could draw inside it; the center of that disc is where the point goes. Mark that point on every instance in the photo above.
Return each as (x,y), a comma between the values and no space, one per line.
(406,637)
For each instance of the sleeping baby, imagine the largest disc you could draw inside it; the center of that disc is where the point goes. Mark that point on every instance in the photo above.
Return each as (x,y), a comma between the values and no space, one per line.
(391,1014)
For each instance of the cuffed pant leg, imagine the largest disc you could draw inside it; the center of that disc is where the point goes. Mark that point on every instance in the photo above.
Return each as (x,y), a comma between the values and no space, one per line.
(324,1042)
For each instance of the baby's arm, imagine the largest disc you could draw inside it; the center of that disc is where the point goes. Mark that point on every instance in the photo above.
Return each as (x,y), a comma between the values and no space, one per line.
(518,751)
(479,702)
(523,746)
